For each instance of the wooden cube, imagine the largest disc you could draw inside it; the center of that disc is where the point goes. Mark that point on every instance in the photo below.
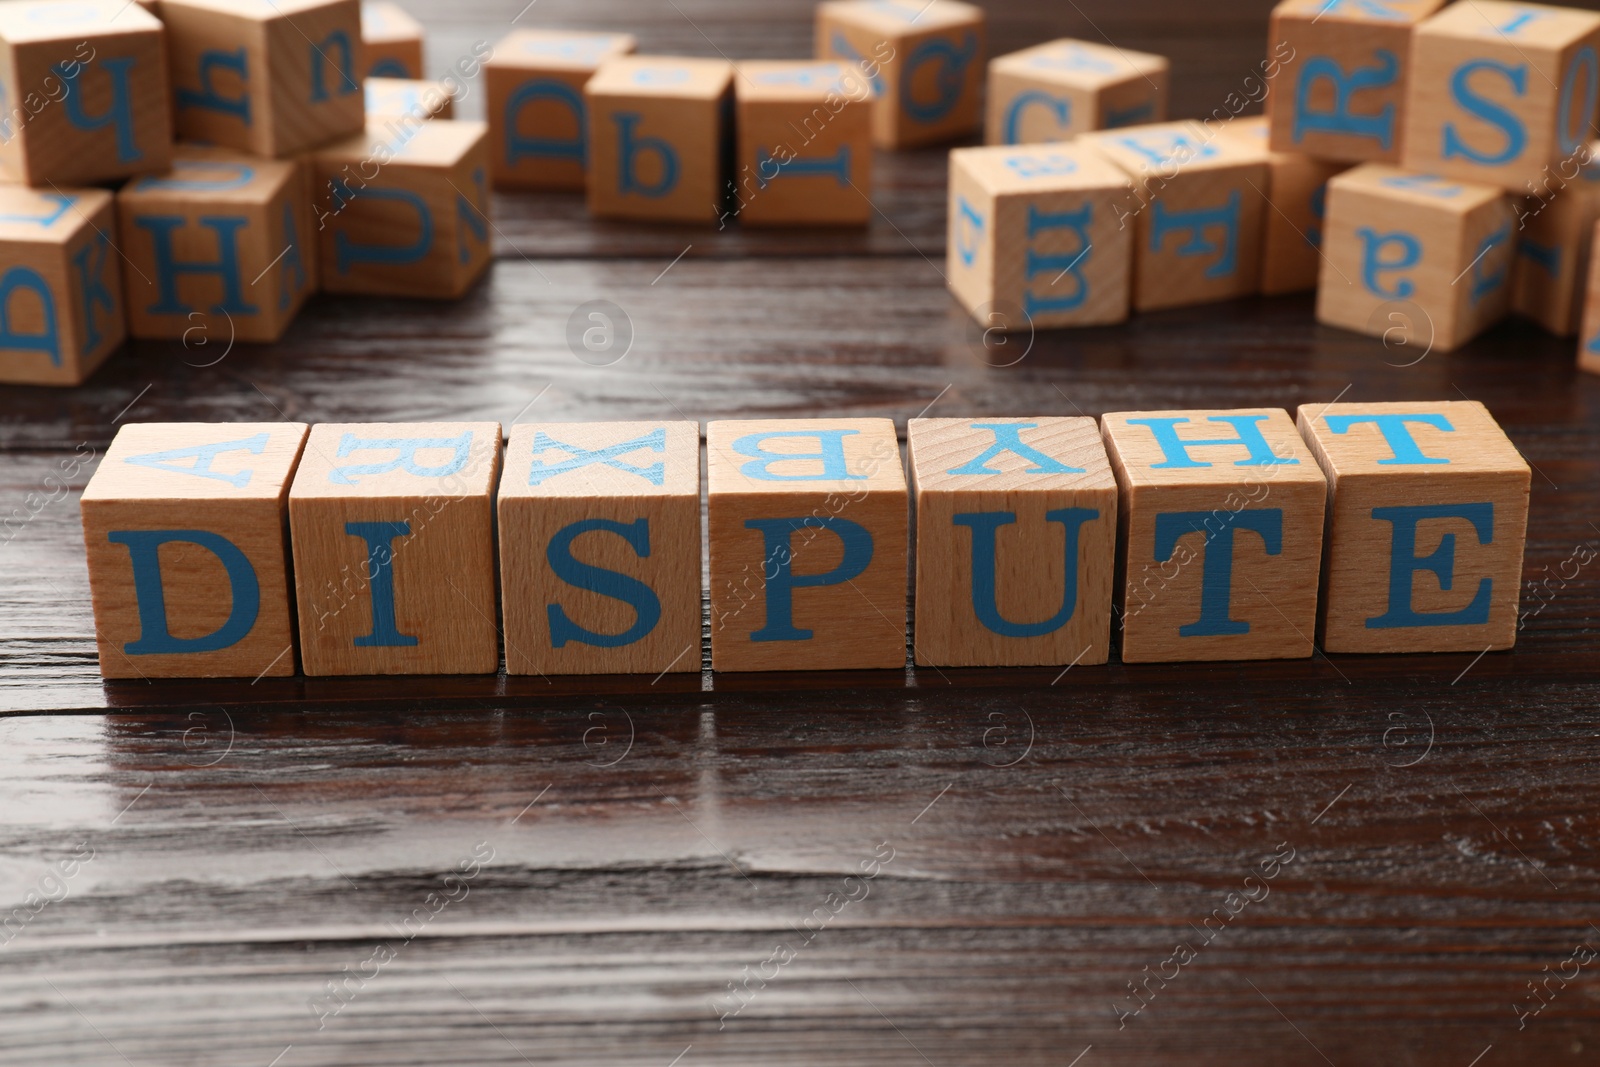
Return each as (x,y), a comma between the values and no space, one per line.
(656,137)
(391,42)
(1589,331)
(1057,90)
(1501,93)
(805,144)
(403,209)
(272,77)
(61,304)
(925,59)
(1414,259)
(1196,204)
(1428,510)
(83,92)
(600,548)
(1036,238)
(808,545)
(1555,230)
(538,122)
(393,532)
(399,98)
(187,538)
(219,248)
(1016,541)
(1221,515)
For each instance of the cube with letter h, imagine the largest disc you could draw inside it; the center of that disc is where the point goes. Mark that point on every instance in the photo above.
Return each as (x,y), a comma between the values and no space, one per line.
(188,550)
(1428,511)
(393,533)
(600,548)
(391,40)
(1221,515)
(805,144)
(808,545)
(1057,90)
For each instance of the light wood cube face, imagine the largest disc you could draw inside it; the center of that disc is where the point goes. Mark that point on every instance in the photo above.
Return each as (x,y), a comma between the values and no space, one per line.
(403,209)
(85,91)
(808,545)
(405,98)
(1036,238)
(1501,93)
(1555,231)
(391,42)
(538,121)
(393,533)
(1589,329)
(187,539)
(805,144)
(1016,542)
(1428,511)
(600,548)
(1417,260)
(925,61)
(218,249)
(60,285)
(1222,515)
(1057,90)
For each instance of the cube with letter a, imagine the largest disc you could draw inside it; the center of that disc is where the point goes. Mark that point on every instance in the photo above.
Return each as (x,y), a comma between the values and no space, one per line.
(393,533)
(805,144)
(187,539)
(600,548)
(1016,541)
(1428,510)
(391,41)
(1221,516)
(808,544)
(1057,90)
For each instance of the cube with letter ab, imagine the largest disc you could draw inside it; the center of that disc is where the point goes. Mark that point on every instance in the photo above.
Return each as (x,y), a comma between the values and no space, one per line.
(393,533)
(1057,90)
(391,41)
(1428,511)
(188,550)
(808,544)
(1221,515)
(1016,541)
(600,548)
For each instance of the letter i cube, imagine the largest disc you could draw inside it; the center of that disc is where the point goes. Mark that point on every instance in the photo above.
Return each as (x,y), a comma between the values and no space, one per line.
(805,144)
(187,539)
(1414,259)
(1016,541)
(1428,511)
(808,538)
(1221,515)
(600,548)
(61,305)
(1555,228)
(391,40)
(1057,90)
(393,533)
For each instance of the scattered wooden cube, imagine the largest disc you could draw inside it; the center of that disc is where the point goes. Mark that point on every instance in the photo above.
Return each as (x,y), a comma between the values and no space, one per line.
(394,554)
(186,534)
(83,92)
(1057,90)
(1589,330)
(1554,239)
(1221,516)
(1414,259)
(391,42)
(1428,509)
(1016,541)
(61,304)
(808,544)
(398,98)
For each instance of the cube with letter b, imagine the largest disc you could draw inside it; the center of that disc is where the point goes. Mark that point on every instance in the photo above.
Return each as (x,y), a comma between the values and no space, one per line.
(391,40)
(1057,90)
(805,144)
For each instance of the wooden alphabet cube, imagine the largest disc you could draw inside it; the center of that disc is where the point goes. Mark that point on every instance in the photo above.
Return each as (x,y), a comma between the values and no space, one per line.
(403,209)
(219,248)
(1555,230)
(808,545)
(1414,259)
(1501,93)
(538,122)
(271,77)
(600,548)
(805,144)
(1221,515)
(187,538)
(924,58)
(1036,237)
(1057,90)
(1196,204)
(399,98)
(391,42)
(657,126)
(1589,331)
(1427,513)
(1016,541)
(61,304)
(393,533)
(83,92)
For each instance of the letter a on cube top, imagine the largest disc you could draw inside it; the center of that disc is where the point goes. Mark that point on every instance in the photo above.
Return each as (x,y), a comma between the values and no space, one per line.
(1057,90)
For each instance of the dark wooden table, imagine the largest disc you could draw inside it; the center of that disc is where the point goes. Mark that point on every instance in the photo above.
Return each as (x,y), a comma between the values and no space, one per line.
(516,871)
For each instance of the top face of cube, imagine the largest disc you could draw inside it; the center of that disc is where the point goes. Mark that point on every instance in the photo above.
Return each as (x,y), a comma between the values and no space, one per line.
(1446,437)
(1008,455)
(588,459)
(213,175)
(666,76)
(1082,64)
(383,23)
(1397,12)
(258,10)
(799,80)
(24,21)
(1040,168)
(1171,146)
(556,50)
(198,461)
(804,456)
(45,215)
(1420,190)
(439,143)
(399,460)
(902,17)
(1512,25)
(1179,448)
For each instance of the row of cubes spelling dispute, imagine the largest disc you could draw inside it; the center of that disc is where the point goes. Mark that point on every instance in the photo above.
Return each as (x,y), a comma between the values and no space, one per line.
(220,549)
